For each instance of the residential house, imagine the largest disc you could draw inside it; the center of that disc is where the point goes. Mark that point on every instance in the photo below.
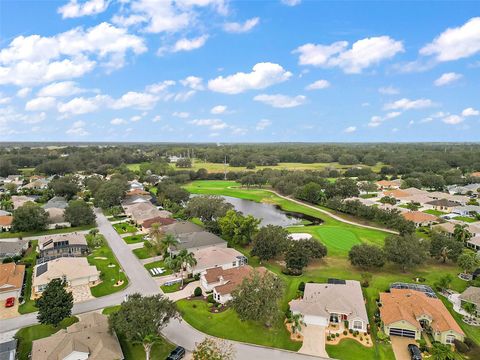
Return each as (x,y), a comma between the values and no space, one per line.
(217,257)
(137,192)
(471,296)
(389,184)
(466,210)
(75,271)
(143,211)
(10,249)
(136,185)
(420,218)
(55,208)
(443,205)
(474,243)
(223,281)
(182,227)
(475,174)
(147,224)
(14,179)
(464,190)
(6,223)
(90,338)
(57,202)
(337,302)
(37,184)
(58,245)
(20,200)
(449,227)
(8,350)
(11,280)
(408,312)
(192,237)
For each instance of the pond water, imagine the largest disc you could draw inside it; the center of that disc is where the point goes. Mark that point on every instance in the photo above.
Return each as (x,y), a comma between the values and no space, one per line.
(268,213)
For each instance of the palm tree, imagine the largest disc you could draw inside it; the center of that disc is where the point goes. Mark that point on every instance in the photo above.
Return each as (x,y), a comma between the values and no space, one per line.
(461,233)
(156,231)
(148,342)
(186,259)
(173,263)
(470,308)
(169,241)
(443,352)
(297,323)
(444,253)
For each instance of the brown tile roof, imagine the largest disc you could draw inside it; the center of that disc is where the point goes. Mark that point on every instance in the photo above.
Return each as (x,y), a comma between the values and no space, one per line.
(409,305)
(147,224)
(388,183)
(11,276)
(443,202)
(231,277)
(137,192)
(396,193)
(419,217)
(475,174)
(6,220)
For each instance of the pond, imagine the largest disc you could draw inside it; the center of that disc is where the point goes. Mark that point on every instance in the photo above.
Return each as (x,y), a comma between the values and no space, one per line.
(268,213)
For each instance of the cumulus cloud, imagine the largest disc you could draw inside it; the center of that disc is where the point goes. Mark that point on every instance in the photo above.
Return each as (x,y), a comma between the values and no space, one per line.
(407,104)
(185,44)
(193,82)
(378,120)
(455,43)
(212,124)
(263,124)
(181,114)
(470,112)
(388,90)
(319,84)
(136,100)
(447,78)
(34,59)
(5,99)
(219,109)
(74,9)
(262,76)
(82,105)
(363,53)
(41,104)
(157,118)
(235,27)
(118,121)
(452,119)
(77,129)
(281,101)
(291,2)
(350,129)
(160,87)
(23,92)
(59,89)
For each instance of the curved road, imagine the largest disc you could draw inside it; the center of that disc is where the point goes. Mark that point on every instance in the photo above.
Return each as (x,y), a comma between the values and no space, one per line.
(140,281)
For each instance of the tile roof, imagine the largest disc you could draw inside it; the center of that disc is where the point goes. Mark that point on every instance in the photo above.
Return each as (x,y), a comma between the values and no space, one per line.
(72,268)
(419,217)
(215,256)
(409,305)
(471,295)
(147,224)
(229,278)
(6,220)
(443,202)
(11,276)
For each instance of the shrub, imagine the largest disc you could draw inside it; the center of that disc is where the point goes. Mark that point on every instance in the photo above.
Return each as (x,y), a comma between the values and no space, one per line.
(461,346)
(288,313)
(337,334)
(197,291)
(345,332)
(328,338)
(361,338)
(210,299)
(197,277)
(194,306)
(469,342)
(350,331)
(301,286)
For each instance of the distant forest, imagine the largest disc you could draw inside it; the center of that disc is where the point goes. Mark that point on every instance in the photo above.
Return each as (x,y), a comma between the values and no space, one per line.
(396,159)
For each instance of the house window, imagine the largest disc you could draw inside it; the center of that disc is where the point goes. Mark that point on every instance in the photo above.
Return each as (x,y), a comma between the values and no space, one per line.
(357,325)
(234,263)
(334,318)
(450,339)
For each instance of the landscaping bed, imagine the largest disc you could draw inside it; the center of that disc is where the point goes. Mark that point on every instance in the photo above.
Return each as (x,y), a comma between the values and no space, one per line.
(133,239)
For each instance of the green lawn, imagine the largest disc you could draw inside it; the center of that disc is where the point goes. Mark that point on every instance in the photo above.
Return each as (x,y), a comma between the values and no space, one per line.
(109,275)
(28,334)
(227,325)
(465,219)
(171,288)
(435,212)
(6,235)
(143,253)
(124,228)
(29,260)
(117,218)
(349,349)
(158,264)
(133,239)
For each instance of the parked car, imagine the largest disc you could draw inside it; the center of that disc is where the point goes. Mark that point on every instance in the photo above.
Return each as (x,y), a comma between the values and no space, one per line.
(415,352)
(9,302)
(177,354)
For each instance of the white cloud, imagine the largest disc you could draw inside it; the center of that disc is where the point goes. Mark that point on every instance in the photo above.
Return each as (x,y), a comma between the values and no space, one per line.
(319,84)
(136,100)
(452,119)
(262,76)
(188,44)
(135,118)
(281,101)
(118,121)
(81,105)
(35,59)
(157,118)
(193,82)
(388,90)
(447,78)
(5,100)
(350,129)
(212,124)
(363,53)
(291,2)
(40,104)
(455,43)
(235,27)
(59,89)
(378,120)
(470,112)
(160,87)
(181,114)
(407,104)
(219,109)
(73,9)
(77,129)
(263,124)
(23,92)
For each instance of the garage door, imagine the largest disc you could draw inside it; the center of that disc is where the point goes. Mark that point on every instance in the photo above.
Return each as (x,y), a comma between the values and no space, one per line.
(402,332)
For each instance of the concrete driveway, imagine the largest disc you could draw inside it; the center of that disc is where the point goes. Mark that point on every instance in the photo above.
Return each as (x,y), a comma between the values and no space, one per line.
(399,345)
(313,341)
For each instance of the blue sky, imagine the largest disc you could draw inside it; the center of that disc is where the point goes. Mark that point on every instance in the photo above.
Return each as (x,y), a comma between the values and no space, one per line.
(239,71)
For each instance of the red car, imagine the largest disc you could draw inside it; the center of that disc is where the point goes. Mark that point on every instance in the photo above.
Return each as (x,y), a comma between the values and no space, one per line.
(10,302)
